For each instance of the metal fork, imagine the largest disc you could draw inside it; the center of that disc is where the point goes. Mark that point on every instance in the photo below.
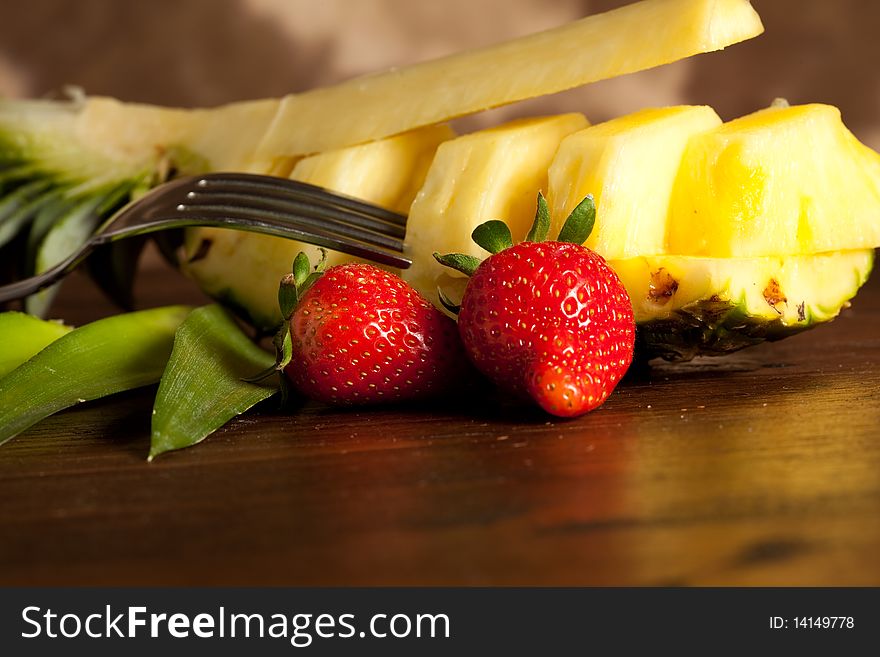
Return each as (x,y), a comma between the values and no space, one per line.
(259,204)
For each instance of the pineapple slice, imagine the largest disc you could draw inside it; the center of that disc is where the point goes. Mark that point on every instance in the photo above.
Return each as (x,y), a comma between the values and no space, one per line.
(686,306)
(781,181)
(490,174)
(632,38)
(628,165)
(387,172)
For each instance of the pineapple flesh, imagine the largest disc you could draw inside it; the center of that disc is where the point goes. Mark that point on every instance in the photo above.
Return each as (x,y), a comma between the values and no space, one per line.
(73,163)
(784,180)
(723,254)
(629,165)
(490,174)
(632,38)
(724,234)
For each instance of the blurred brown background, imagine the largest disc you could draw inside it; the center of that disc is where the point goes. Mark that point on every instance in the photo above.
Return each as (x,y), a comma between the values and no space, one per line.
(206,52)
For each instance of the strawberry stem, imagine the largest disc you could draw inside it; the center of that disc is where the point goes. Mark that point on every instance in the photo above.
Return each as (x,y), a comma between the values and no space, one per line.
(580,222)
(301,267)
(447,303)
(466,264)
(288,295)
(541,226)
(494,236)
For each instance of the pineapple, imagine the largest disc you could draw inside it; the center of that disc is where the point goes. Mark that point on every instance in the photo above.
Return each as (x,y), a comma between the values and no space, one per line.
(66,166)
(712,227)
(60,177)
(610,161)
(632,38)
(490,174)
(388,172)
(784,180)
(686,306)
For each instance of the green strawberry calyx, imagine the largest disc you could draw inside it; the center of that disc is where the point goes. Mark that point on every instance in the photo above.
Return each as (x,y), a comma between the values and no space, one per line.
(494,236)
(292,288)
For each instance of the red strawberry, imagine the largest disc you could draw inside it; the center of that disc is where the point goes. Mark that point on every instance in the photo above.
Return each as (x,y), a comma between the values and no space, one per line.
(360,335)
(547,320)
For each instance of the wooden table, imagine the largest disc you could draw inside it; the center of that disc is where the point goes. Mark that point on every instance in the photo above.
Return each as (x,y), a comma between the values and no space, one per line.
(762,468)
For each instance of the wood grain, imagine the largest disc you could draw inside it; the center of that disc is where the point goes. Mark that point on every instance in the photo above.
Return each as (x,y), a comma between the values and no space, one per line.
(759,469)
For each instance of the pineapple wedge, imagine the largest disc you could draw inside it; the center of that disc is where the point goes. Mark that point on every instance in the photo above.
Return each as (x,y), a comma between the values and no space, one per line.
(629,165)
(638,36)
(490,174)
(688,306)
(781,181)
(387,172)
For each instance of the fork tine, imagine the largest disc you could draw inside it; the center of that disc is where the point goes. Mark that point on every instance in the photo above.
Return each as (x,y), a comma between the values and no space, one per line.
(286,188)
(283,225)
(310,218)
(285,205)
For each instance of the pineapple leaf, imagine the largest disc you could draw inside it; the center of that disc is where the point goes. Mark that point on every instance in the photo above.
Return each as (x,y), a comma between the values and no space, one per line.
(202,389)
(494,236)
(19,207)
(113,267)
(541,226)
(68,232)
(579,225)
(261,376)
(466,264)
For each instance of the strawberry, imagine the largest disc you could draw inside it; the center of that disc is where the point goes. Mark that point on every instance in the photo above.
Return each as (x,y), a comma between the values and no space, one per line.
(358,335)
(548,320)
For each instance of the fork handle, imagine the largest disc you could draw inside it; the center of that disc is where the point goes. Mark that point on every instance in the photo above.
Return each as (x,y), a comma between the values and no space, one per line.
(33,284)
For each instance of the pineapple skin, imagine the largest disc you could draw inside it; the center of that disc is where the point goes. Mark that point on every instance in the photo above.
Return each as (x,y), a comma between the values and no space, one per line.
(244,269)
(629,165)
(490,174)
(688,306)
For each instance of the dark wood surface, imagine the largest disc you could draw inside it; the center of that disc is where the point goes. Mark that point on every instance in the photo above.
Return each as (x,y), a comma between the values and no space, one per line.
(762,468)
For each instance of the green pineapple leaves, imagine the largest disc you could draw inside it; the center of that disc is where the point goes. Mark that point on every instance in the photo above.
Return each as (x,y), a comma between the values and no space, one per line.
(109,355)
(24,336)
(202,387)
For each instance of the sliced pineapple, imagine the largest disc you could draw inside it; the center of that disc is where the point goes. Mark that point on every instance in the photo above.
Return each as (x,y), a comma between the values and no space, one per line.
(629,165)
(99,145)
(490,174)
(686,306)
(632,38)
(244,269)
(781,181)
